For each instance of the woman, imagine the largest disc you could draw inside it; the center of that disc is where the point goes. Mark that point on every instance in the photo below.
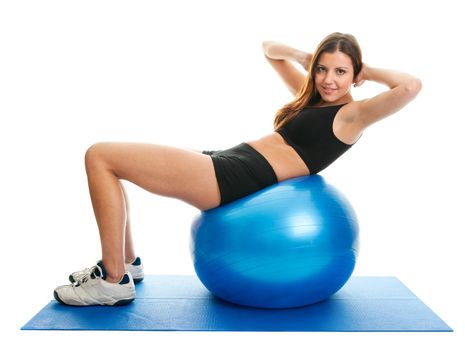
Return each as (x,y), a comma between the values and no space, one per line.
(317,127)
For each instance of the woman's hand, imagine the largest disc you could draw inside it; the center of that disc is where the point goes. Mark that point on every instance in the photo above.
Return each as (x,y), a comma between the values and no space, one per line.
(362,76)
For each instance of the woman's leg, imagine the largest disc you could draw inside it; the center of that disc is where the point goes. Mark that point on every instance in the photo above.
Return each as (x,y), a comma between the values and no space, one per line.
(163,170)
(129,252)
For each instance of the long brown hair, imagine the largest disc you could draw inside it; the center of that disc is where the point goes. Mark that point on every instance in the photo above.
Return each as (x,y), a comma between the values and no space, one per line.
(308,94)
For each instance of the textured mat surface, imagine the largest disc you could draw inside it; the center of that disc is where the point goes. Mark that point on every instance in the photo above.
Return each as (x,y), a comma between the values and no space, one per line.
(169,303)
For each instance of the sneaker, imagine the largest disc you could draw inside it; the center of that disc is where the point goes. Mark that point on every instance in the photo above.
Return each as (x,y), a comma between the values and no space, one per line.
(93,289)
(135,268)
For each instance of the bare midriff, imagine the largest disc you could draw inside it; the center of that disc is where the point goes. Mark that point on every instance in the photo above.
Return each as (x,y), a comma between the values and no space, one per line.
(284,160)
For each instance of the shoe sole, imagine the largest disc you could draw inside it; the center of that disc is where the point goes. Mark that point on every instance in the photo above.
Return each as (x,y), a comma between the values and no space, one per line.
(136,280)
(122,302)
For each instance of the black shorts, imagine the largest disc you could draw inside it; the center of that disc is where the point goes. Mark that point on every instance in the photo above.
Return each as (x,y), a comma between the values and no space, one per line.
(240,171)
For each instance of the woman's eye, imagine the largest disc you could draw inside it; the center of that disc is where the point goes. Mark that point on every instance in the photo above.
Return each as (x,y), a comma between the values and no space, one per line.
(320,69)
(340,72)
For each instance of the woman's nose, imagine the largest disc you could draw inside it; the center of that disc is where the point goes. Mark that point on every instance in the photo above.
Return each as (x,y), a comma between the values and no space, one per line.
(329,77)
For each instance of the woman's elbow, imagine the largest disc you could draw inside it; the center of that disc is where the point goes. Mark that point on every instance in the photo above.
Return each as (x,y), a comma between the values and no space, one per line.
(266,45)
(413,87)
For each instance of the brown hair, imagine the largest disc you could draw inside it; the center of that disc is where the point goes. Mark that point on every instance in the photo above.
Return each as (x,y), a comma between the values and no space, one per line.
(308,94)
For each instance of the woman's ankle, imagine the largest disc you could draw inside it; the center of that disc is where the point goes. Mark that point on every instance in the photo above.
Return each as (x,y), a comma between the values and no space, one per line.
(130,259)
(113,272)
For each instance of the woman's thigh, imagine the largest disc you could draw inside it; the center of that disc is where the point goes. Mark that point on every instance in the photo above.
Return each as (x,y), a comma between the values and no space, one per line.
(164,170)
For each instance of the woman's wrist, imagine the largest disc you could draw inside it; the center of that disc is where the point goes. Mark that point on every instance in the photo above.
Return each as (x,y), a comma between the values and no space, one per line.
(303,58)
(367,72)
(277,51)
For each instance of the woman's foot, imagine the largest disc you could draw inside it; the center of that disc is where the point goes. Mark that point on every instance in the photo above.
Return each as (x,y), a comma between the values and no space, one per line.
(136,268)
(93,289)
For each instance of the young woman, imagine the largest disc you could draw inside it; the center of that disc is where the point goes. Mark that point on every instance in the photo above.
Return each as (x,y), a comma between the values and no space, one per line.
(312,131)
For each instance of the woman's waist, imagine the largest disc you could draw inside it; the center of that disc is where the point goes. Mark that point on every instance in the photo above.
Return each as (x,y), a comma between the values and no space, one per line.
(282,157)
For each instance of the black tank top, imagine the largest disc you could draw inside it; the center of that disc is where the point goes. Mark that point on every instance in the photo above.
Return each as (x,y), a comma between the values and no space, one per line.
(311,134)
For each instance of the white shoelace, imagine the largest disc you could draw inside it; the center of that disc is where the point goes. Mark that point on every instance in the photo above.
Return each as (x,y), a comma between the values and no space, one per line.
(83,274)
(87,273)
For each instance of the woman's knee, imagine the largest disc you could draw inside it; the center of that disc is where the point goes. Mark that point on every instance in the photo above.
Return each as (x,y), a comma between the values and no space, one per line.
(95,156)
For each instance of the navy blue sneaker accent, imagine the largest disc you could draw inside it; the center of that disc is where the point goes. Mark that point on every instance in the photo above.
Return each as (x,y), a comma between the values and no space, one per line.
(125,279)
(104,271)
(136,262)
(57,298)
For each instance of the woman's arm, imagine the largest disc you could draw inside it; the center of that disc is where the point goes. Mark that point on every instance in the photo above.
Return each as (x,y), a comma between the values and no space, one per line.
(280,57)
(403,89)
(388,77)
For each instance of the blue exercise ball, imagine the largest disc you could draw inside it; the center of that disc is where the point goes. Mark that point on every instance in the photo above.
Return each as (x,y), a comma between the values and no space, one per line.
(291,244)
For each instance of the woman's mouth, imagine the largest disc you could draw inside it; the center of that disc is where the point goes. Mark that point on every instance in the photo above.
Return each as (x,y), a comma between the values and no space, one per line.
(328,91)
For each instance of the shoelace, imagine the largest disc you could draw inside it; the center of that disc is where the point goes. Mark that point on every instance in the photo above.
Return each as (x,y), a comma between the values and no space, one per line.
(88,273)
(84,274)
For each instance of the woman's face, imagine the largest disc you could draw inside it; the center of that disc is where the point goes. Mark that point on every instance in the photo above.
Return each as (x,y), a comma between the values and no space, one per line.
(334,75)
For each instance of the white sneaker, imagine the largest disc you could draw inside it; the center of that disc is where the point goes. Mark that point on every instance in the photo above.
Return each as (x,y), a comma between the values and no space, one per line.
(136,268)
(93,289)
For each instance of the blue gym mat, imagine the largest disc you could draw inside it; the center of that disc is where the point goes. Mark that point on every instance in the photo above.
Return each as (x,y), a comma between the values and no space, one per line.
(181,303)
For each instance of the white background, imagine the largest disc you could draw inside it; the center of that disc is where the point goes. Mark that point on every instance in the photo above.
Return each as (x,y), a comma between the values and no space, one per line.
(192,74)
